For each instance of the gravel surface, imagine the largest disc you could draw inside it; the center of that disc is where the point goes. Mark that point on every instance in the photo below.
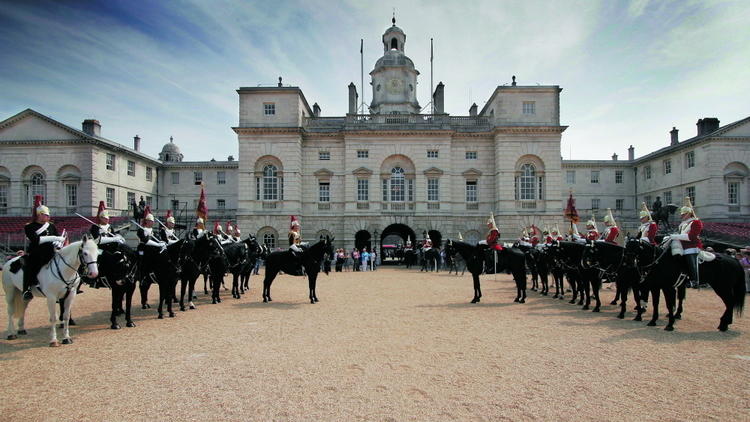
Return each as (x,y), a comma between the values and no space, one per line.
(390,345)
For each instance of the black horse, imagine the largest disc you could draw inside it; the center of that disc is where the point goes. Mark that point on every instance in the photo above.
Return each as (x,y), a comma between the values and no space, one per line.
(255,251)
(659,270)
(453,261)
(609,259)
(569,256)
(479,260)
(163,268)
(311,257)
(410,257)
(194,262)
(662,215)
(430,260)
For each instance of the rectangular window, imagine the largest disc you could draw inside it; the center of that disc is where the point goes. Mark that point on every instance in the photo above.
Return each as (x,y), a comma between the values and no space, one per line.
(175,205)
(3,199)
(647,172)
(410,190)
(471,191)
(471,155)
(529,107)
(324,192)
(149,174)
(175,178)
(110,197)
(197,177)
(733,193)
(570,177)
(363,153)
(221,204)
(690,159)
(667,166)
(647,200)
(619,203)
(269,109)
(433,189)
(618,176)
(667,197)
(149,200)
(131,198)
(594,203)
(363,190)
(385,190)
(594,176)
(71,195)
(324,155)
(110,161)
(221,178)
(432,153)
(690,192)
(131,168)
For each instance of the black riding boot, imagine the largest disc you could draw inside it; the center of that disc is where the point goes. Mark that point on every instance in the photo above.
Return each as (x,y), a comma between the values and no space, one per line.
(691,269)
(29,280)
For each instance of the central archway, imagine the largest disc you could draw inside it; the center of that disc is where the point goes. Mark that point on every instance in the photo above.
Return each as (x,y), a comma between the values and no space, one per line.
(392,239)
(363,239)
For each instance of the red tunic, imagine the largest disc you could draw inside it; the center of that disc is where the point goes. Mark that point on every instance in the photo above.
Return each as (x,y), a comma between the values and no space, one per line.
(534,241)
(695,229)
(610,234)
(492,237)
(592,235)
(650,233)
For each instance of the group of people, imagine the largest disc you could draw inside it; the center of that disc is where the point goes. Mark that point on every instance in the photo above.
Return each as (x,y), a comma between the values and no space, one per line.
(361,260)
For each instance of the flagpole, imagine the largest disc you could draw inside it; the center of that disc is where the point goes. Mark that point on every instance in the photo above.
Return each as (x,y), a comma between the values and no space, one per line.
(362,74)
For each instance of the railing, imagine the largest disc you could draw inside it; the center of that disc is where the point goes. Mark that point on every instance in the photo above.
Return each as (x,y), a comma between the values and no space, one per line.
(433,205)
(526,205)
(269,205)
(424,121)
(472,205)
(397,206)
(363,205)
(324,206)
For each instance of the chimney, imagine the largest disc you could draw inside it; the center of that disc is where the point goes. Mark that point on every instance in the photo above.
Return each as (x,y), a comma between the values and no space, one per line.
(92,127)
(316,110)
(614,157)
(438,98)
(673,133)
(137,143)
(280,84)
(230,158)
(631,153)
(707,125)
(353,98)
(473,110)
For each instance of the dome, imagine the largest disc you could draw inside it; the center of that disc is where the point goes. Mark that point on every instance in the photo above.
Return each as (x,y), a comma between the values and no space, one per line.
(394,58)
(394,28)
(170,152)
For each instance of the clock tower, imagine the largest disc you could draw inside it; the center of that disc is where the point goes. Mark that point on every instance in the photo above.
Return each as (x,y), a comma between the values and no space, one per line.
(394,78)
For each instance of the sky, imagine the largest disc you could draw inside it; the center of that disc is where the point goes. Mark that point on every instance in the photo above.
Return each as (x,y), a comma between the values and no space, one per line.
(630,70)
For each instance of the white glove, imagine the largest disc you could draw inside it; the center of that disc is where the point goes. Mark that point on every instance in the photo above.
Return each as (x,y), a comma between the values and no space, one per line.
(666,238)
(482,242)
(48,239)
(683,236)
(155,243)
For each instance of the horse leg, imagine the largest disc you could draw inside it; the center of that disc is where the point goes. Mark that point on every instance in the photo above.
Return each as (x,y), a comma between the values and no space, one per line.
(637,297)
(655,293)
(162,298)
(586,292)
(144,286)
(130,290)
(68,306)
(596,285)
(116,303)
(669,299)
(477,288)
(183,287)
(205,284)
(680,298)
(311,285)
(191,291)
(52,308)
(545,284)
(13,307)
(62,311)
(623,297)
(519,276)
(617,294)
(170,297)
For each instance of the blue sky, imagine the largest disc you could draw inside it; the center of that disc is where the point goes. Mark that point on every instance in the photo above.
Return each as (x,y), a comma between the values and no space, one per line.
(630,70)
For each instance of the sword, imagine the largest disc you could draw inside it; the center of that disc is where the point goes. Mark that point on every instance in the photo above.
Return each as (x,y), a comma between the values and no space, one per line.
(85,218)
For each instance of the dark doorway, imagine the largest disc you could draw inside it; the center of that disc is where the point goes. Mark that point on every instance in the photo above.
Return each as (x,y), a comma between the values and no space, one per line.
(363,239)
(392,240)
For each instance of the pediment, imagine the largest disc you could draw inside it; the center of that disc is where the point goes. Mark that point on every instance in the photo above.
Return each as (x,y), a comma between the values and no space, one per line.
(741,129)
(472,173)
(323,174)
(362,171)
(31,126)
(433,171)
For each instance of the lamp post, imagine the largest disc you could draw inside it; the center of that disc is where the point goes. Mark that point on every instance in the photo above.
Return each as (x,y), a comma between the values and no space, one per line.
(376,250)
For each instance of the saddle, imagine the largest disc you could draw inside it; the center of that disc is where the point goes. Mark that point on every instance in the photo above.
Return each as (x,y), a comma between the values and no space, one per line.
(490,265)
(704,256)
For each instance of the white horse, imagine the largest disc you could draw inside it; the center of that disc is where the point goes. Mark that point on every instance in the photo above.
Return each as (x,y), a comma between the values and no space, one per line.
(58,280)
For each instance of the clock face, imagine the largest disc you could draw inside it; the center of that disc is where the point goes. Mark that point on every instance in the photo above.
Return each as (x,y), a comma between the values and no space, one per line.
(394,86)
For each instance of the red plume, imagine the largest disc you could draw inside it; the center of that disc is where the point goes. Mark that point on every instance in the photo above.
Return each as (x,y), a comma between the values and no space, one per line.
(216,227)
(169,213)
(146,211)
(37,203)
(102,207)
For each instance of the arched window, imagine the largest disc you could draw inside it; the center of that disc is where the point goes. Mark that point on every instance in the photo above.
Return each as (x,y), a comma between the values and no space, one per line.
(394,44)
(527,182)
(269,239)
(38,186)
(397,184)
(270,183)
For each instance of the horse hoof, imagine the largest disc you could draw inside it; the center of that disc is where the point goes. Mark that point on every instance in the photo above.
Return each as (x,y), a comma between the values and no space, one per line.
(265,300)
(651,324)
(130,324)
(678,316)
(723,327)
(182,309)
(614,302)
(638,318)
(668,328)
(516,300)
(67,341)
(71,322)
(475,300)
(54,344)
(316,299)
(195,297)
(561,297)
(522,301)
(160,316)
(22,332)
(585,308)
(312,302)
(171,314)
(620,316)
(114,326)
(595,309)
(192,306)
(213,302)
(12,337)
(572,301)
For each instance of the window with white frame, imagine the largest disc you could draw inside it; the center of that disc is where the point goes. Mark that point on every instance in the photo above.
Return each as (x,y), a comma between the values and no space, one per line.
(149,174)
(619,204)
(324,155)
(197,177)
(38,187)
(432,153)
(594,176)
(618,176)
(221,178)
(149,201)
(433,189)
(668,197)
(647,199)
(71,195)
(221,204)
(570,177)
(269,239)
(269,109)
(594,203)
(110,197)
(471,155)
(270,183)
(131,198)
(647,172)
(471,191)
(529,107)
(690,192)
(363,153)
(667,166)
(397,185)
(363,190)
(110,161)
(324,192)
(690,159)
(131,168)
(3,199)
(733,193)
(527,182)
(175,178)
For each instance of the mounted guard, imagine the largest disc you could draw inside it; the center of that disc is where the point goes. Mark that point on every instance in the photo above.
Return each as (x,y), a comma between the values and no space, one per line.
(166,232)
(648,228)
(426,243)
(44,240)
(101,231)
(295,244)
(612,231)
(688,243)
(591,232)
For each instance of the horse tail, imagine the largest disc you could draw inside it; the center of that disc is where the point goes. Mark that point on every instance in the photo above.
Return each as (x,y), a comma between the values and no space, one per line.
(739,289)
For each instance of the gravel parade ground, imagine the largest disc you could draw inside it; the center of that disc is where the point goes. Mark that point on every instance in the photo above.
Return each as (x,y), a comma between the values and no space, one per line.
(390,345)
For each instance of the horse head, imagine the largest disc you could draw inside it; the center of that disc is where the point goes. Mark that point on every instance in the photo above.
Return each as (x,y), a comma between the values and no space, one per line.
(88,255)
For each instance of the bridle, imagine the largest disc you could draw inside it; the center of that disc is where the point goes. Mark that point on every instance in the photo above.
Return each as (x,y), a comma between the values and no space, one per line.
(609,270)
(643,271)
(58,273)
